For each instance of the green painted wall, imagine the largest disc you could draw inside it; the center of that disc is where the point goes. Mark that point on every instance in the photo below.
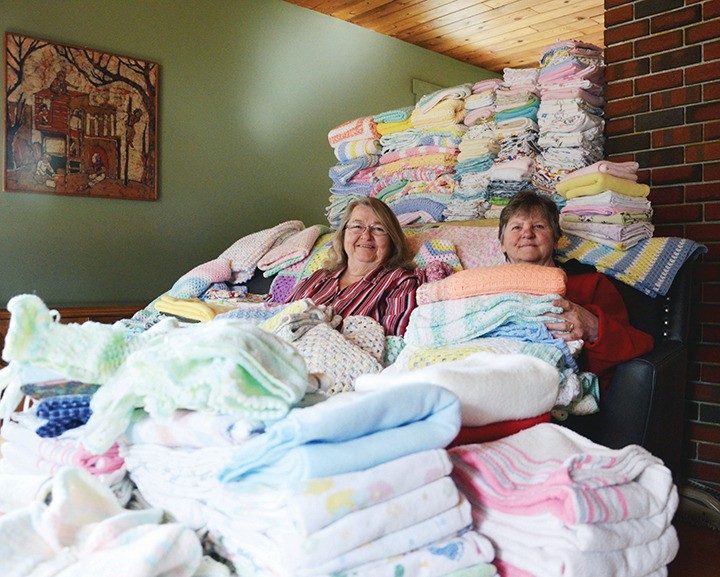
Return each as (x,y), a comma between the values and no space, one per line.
(248,92)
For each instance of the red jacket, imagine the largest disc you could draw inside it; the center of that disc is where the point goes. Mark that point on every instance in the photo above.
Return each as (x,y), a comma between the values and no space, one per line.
(618,340)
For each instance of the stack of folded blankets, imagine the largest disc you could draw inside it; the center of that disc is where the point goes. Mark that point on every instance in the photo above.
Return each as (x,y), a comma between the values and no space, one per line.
(498,309)
(570,117)
(516,109)
(507,178)
(478,150)
(356,144)
(357,484)
(555,503)
(606,204)
(415,178)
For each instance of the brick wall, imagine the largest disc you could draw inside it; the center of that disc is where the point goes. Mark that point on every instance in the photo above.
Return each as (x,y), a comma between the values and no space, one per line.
(663,110)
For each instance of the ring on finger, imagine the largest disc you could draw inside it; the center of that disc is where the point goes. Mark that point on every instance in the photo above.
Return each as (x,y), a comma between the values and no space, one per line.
(571,326)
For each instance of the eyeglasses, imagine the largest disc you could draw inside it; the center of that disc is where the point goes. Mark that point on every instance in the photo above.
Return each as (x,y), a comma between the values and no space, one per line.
(373,229)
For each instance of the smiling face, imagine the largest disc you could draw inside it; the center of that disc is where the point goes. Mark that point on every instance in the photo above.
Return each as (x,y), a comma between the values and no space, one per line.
(365,250)
(528,238)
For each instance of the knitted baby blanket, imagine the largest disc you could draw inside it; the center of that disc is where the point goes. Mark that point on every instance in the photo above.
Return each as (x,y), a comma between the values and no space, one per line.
(520,278)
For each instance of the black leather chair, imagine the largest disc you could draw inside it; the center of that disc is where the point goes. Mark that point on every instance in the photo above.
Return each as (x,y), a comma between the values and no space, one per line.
(645,401)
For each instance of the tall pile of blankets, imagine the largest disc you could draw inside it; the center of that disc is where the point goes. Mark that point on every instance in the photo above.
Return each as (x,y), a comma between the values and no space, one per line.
(570,116)
(433,161)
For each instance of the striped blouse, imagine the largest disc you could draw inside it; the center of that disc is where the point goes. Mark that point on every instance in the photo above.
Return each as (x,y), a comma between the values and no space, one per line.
(387,295)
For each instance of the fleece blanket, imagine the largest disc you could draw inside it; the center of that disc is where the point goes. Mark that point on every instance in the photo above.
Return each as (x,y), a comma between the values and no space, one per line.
(491,387)
(595,183)
(347,433)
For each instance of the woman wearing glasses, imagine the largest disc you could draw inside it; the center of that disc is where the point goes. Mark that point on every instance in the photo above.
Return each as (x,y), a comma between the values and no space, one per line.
(369,270)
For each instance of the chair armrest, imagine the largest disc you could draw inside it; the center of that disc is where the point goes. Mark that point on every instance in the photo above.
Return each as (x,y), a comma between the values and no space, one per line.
(645,403)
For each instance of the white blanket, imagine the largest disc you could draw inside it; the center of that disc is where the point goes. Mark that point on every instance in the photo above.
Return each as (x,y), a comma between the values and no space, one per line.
(491,387)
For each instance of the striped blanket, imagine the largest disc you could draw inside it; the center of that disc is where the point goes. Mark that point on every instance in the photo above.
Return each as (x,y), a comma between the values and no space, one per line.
(649,266)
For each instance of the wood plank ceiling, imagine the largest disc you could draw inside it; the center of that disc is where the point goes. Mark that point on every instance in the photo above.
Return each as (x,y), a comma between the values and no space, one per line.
(492,34)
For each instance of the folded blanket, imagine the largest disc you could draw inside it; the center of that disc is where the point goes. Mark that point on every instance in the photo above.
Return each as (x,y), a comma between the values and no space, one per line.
(548,532)
(395,115)
(347,433)
(596,183)
(190,429)
(237,263)
(351,149)
(189,308)
(445,322)
(357,129)
(491,387)
(551,469)
(292,249)
(429,101)
(22,447)
(617,236)
(643,559)
(627,170)
(516,278)
(650,266)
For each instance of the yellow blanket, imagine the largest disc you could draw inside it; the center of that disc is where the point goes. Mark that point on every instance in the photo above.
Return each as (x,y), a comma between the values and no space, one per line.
(589,184)
(385,128)
(193,309)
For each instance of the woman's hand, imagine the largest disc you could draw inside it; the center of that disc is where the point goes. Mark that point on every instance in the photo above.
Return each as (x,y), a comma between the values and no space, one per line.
(575,322)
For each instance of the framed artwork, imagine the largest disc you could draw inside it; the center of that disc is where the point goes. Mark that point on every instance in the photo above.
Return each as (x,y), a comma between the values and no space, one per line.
(79,122)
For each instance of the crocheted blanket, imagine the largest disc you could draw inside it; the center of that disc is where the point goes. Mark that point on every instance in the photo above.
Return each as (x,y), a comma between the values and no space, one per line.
(650,266)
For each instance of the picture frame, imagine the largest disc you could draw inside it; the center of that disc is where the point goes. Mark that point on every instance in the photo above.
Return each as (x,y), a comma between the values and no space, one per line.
(79,121)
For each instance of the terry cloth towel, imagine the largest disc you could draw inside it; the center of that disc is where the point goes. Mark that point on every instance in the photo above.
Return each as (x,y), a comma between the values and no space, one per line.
(84,531)
(347,433)
(515,278)
(588,184)
(362,128)
(549,469)
(491,387)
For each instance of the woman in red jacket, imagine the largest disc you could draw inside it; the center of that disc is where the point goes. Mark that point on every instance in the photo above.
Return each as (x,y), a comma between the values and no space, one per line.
(593,309)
